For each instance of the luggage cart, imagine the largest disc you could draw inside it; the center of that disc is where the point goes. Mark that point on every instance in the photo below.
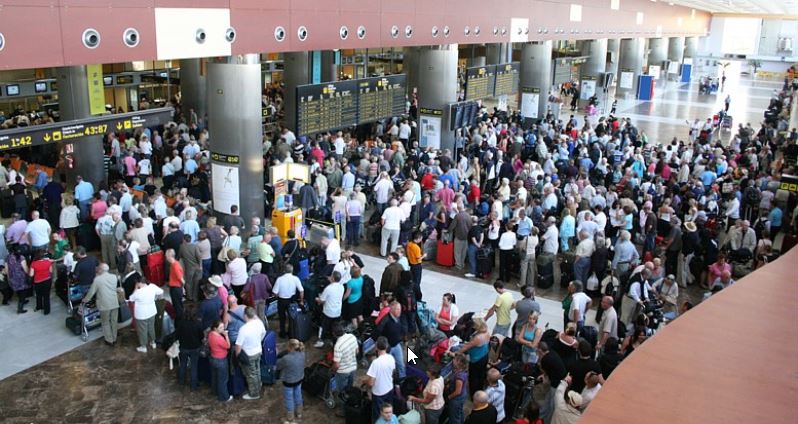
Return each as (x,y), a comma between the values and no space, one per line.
(75,294)
(89,319)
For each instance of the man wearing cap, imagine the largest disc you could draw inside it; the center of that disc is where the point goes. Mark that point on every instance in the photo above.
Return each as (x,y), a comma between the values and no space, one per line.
(566,404)
(667,291)
(690,244)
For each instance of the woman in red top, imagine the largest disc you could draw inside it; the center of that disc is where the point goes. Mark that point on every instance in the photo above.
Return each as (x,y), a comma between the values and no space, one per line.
(531,415)
(41,271)
(219,345)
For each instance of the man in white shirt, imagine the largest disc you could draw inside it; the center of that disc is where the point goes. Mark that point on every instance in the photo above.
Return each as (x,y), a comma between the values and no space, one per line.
(248,351)
(551,242)
(528,265)
(382,190)
(584,251)
(144,312)
(580,303)
(332,251)
(344,357)
(286,288)
(38,232)
(339,145)
(145,146)
(331,299)
(379,377)
(404,132)
(391,222)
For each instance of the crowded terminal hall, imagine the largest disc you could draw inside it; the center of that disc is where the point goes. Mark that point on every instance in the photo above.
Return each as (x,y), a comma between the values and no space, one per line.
(264,222)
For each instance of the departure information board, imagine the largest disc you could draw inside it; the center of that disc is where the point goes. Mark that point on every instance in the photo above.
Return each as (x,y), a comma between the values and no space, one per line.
(507,79)
(480,82)
(323,107)
(342,104)
(380,98)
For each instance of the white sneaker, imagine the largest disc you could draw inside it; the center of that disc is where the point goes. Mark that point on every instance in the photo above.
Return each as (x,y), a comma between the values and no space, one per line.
(248,397)
(318,344)
(141,349)
(153,345)
(469,275)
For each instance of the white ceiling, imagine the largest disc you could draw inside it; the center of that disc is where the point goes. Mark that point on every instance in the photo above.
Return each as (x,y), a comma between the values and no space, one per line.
(769,7)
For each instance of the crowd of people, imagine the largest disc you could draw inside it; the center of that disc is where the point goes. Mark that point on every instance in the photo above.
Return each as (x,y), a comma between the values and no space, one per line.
(628,221)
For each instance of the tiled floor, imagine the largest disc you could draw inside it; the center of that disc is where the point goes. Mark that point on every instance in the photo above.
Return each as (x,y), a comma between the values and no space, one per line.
(50,375)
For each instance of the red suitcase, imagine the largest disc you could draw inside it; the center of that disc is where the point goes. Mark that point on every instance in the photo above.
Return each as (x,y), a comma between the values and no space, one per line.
(154,272)
(445,254)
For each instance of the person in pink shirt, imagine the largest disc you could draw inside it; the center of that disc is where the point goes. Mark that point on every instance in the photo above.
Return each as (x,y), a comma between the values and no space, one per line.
(98,207)
(219,345)
(716,269)
(317,154)
(130,168)
(446,195)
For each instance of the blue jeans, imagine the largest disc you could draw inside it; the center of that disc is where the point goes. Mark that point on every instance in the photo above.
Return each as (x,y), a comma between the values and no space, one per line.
(582,269)
(206,267)
(219,377)
(456,410)
(186,356)
(353,231)
(472,258)
(292,397)
(344,381)
(398,355)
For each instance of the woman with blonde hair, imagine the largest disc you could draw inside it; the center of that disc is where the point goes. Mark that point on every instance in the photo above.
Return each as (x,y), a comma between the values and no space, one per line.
(528,338)
(477,350)
(291,365)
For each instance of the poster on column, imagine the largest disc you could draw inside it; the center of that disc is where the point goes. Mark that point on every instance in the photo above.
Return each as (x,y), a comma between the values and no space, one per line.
(654,71)
(501,103)
(431,131)
(673,67)
(225,187)
(588,88)
(627,80)
(530,102)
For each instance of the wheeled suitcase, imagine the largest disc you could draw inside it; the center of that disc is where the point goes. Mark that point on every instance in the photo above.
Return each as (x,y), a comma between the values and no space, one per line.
(317,376)
(237,384)
(74,325)
(357,407)
(154,271)
(567,269)
(545,266)
(268,359)
(299,323)
(485,259)
(445,253)
(6,203)
(87,237)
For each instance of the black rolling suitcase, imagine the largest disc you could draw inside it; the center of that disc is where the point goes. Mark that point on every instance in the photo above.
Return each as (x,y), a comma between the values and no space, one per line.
(484,262)
(6,203)
(299,323)
(74,324)
(545,266)
(87,237)
(357,407)
(567,269)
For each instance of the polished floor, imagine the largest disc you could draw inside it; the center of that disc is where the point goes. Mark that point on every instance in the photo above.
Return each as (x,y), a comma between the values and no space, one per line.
(48,375)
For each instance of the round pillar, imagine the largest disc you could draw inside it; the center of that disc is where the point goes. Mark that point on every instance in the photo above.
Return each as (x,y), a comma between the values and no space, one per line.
(676,49)
(594,68)
(236,136)
(658,52)
(477,61)
(630,65)
(437,87)
(613,48)
(329,69)
(193,88)
(535,79)
(296,72)
(73,103)
(498,53)
(691,47)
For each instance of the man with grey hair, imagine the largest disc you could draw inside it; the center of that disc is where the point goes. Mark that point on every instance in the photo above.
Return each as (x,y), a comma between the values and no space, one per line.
(584,252)
(483,411)
(104,287)
(391,221)
(580,304)
(626,255)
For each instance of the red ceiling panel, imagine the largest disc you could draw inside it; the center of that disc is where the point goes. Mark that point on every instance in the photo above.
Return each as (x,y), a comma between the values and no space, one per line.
(422,31)
(322,29)
(352,20)
(402,6)
(401,20)
(111,24)
(107,3)
(255,30)
(280,5)
(316,5)
(23,50)
(48,3)
(223,4)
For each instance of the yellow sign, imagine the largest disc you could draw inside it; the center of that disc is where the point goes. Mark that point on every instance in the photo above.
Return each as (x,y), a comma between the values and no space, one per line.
(94,77)
(56,135)
(128,125)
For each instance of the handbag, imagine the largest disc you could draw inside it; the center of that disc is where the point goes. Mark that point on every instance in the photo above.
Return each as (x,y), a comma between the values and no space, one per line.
(124,307)
(205,349)
(222,256)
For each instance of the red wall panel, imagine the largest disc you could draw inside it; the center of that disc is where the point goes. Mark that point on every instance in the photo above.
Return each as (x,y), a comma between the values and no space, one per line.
(23,50)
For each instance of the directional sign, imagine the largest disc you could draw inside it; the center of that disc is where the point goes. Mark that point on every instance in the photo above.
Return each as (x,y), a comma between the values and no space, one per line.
(76,130)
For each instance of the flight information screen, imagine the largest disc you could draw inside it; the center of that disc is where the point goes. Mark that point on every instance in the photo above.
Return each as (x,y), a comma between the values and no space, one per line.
(324,107)
(381,97)
(480,82)
(507,79)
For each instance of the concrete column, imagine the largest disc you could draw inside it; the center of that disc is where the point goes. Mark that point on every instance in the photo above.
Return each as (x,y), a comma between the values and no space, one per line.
(631,60)
(691,47)
(477,61)
(410,67)
(296,72)
(536,75)
(676,49)
(596,64)
(234,104)
(436,71)
(329,69)
(498,53)
(193,88)
(613,47)
(658,52)
(73,103)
